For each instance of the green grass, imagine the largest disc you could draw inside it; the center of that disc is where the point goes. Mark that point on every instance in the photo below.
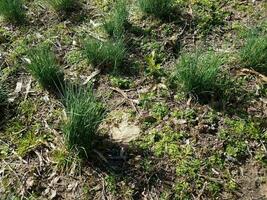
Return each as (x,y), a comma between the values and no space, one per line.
(84,114)
(29,142)
(157,8)
(12,10)
(199,74)
(62,5)
(44,68)
(105,54)
(115,25)
(254,53)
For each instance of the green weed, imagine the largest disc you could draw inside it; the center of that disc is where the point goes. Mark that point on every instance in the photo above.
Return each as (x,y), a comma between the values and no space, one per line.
(237,137)
(84,114)
(160,110)
(120,82)
(182,190)
(261,156)
(146,100)
(44,68)
(188,167)
(153,68)
(110,181)
(13,11)
(158,8)
(188,114)
(105,54)
(166,142)
(254,53)
(115,25)
(209,14)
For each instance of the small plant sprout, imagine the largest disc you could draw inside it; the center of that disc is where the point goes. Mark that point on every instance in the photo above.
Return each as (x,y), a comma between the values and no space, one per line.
(105,54)
(115,25)
(84,114)
(13,11)
(153,68)
(44,68)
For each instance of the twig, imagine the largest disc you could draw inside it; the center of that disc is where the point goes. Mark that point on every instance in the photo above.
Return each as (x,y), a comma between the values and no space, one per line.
(94,74)
(263,146)
(250,71)
(15,174)
(126,97)
(19,157)
(219,181)
(28,87)
(182,32)
(103,190)
(100,156)
(202,190)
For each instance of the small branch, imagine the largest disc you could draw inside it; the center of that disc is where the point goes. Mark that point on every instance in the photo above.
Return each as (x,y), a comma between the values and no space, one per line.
(126,97)
(89,78)
(253,72)
(219,181)
(202,190)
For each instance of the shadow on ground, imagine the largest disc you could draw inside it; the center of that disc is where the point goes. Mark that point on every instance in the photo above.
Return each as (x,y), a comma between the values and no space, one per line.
(140,170)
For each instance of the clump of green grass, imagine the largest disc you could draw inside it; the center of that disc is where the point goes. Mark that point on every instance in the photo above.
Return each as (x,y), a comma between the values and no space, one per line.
(105,54)
(199,74)
(115,25)
(158,8)
(62,5)
(254,53)
(84,114)
(44,68)
(12,10)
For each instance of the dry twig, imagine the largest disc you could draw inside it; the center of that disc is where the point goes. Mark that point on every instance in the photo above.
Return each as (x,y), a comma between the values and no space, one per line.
(127,98)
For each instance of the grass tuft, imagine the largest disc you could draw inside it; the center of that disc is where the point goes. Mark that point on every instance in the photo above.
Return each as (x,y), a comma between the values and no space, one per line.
(62,5)
(45,70)
(158,8)
(115,25)
(254,53)
(199,74)
(105,54)
(13,11)
(84,114)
